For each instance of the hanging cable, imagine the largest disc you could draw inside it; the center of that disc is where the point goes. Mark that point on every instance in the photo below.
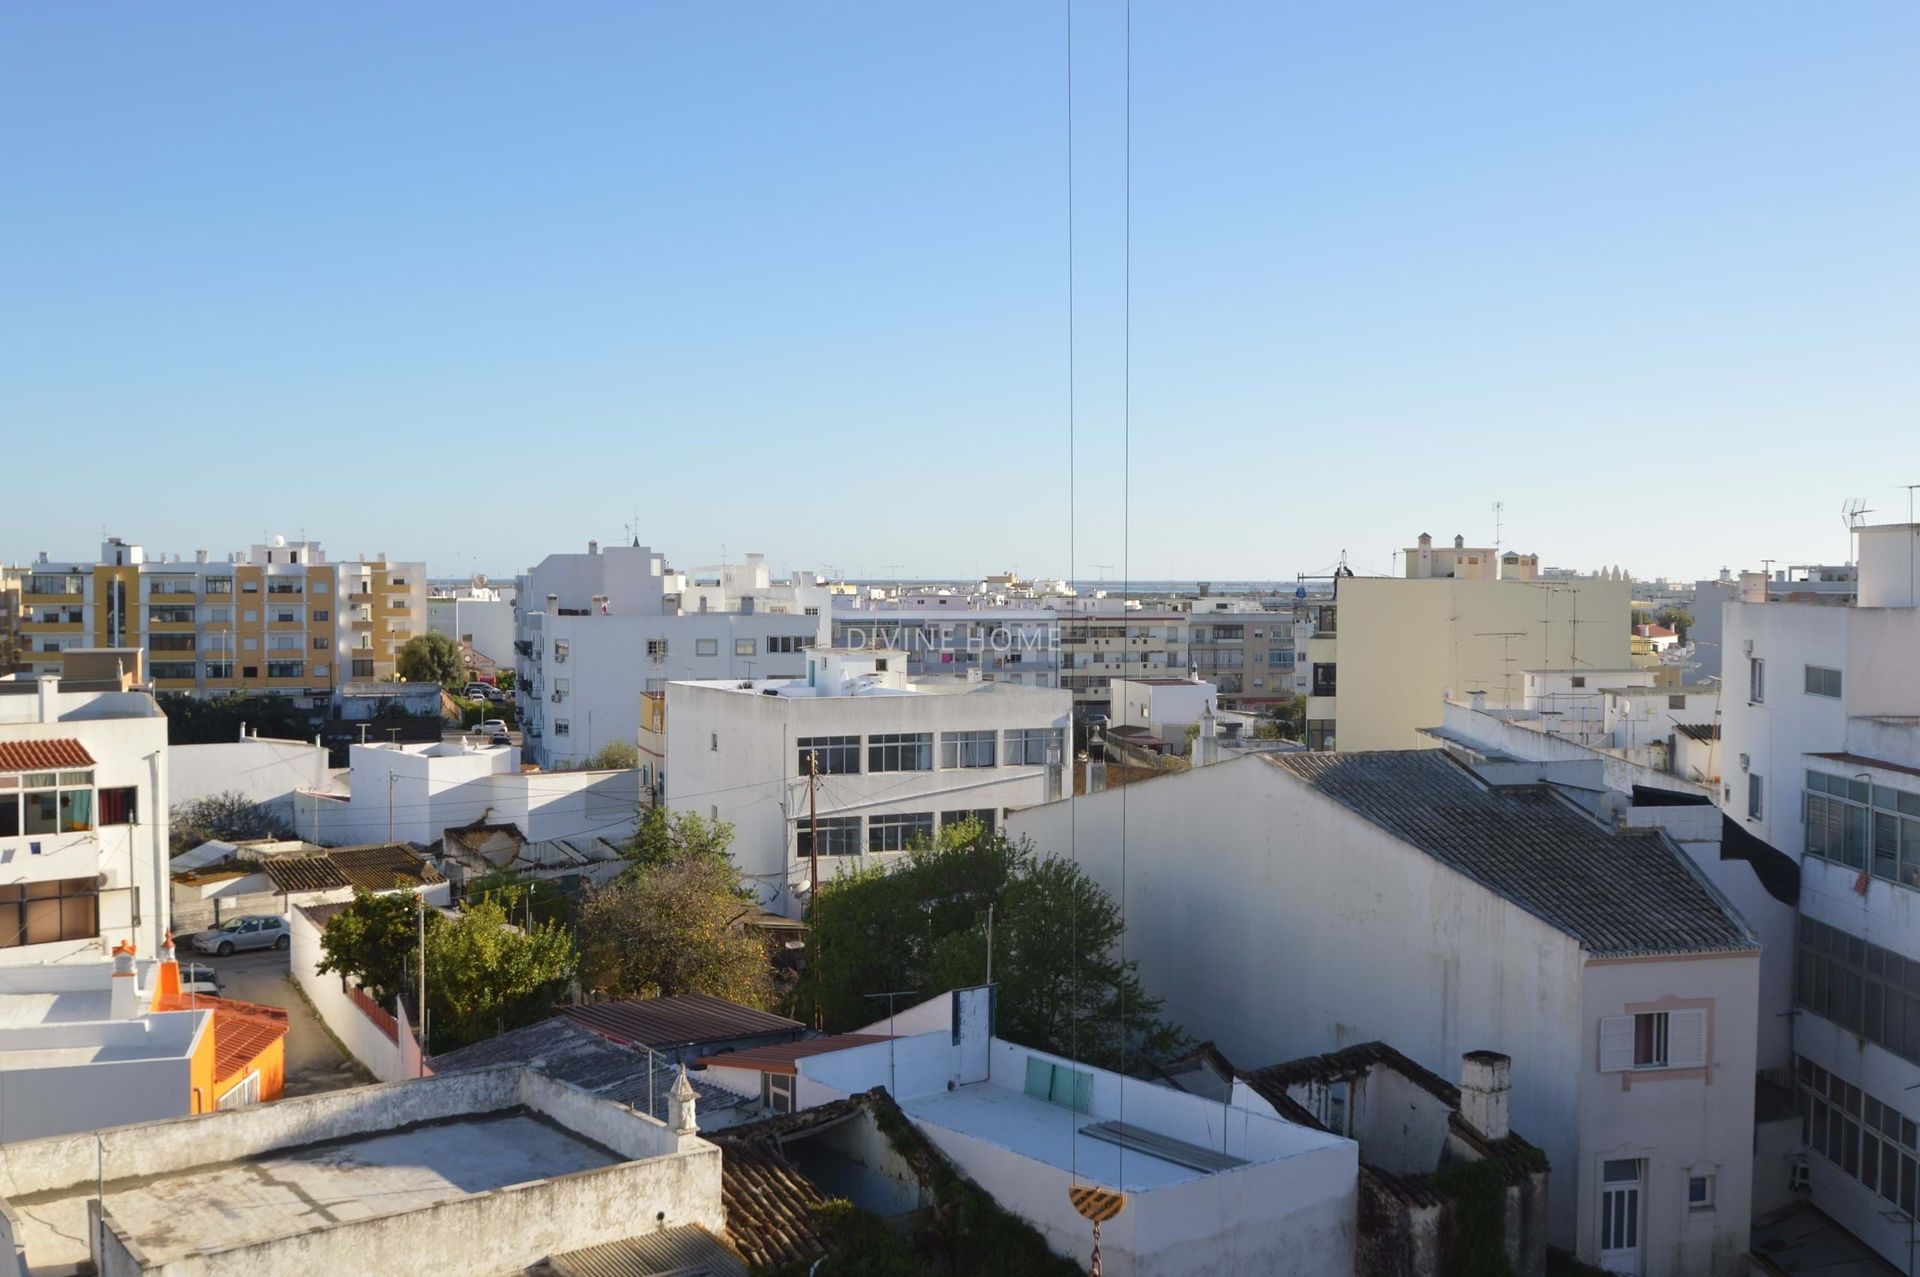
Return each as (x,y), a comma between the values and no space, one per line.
(1073,573)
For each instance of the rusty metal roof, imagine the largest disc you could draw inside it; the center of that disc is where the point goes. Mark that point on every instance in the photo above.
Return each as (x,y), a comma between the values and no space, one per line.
(686,1019)
(780,1058)
(43,755)
(375,867)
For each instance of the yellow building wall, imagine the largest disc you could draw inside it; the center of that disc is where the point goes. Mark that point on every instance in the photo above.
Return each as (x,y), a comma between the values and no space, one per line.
(1402,644)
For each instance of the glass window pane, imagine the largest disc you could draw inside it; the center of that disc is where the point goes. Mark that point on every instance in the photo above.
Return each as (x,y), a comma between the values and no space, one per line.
(43,812)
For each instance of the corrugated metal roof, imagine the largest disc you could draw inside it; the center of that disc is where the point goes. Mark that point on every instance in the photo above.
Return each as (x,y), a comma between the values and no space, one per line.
(685,1019)
(780,1058)
(562,1049)
(42,755)
(375,867)
(683,1252)
(1617,892)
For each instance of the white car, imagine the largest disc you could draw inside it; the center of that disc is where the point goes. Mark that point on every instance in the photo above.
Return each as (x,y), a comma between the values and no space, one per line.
(254,931)
(491,728)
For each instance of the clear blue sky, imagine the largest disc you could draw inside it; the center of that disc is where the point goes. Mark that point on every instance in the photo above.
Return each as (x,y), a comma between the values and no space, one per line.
(475,282)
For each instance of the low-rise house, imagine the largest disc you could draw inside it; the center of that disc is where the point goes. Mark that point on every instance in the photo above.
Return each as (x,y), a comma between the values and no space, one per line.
(685,1026)
(1028,1127)
(489,1171)
(485,848)
(84,1045)
(1165,707)
(1417,1134)
(1402,896)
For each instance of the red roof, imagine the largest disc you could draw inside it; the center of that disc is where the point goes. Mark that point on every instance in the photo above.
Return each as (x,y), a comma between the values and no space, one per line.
(42,755)
(780,1059)
(242,1031)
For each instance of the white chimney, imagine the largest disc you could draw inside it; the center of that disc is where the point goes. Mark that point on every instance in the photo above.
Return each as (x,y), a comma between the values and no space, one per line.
(680,1106)
(124,1003)
(1478,700)
(1486,1079)
(49,707)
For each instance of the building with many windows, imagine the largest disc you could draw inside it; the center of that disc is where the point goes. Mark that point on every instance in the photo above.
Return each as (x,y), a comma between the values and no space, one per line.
(600,635)
(83,820)
(1820,758)
(857,750)
(277,618)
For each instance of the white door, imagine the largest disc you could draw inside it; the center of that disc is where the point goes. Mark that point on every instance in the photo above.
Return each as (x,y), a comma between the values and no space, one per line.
(1620,1221)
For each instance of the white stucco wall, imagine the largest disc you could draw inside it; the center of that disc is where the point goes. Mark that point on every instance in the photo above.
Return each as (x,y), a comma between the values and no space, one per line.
(261,770)
(1278,924)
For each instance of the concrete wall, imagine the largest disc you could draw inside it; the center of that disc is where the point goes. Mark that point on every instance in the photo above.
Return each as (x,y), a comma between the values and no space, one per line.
(1294,1215)
(61,1078)
(364,1040)
(503,1230)
(263,771)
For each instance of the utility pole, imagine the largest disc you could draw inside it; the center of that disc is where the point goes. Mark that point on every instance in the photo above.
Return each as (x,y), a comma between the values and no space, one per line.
(989,944)
(421,901)
(390,780)
(813,868)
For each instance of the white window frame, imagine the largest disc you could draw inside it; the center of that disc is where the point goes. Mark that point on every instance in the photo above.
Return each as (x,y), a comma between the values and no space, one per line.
(1680,1035)
(247,1089)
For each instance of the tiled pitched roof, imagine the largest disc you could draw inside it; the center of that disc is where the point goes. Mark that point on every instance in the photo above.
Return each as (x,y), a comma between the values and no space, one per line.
(780,1058)
(562,1049)
(242,1031)
(1617,892)
(770,1205)
(376,867)
(685,1019)
(1346,1064)
(42,755)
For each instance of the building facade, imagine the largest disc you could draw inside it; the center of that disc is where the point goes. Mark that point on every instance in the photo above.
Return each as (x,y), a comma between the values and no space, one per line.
(873,760)
(83,821)
(278,618)
(1820,758)
(1384,652)
(599,636)
(1398,896)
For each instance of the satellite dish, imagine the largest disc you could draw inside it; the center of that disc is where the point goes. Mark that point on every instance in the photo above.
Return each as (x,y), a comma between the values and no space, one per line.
(479,578)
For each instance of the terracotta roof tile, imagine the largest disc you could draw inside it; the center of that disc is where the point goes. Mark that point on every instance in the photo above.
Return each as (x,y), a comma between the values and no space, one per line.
(376,867)
(42,755)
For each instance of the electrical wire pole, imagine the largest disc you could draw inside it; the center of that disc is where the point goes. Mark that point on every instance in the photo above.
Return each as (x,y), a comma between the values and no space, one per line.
(813,866)
(390,780)
(421,901)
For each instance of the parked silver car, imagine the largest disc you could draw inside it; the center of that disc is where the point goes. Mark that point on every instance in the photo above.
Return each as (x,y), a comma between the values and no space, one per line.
(250,931)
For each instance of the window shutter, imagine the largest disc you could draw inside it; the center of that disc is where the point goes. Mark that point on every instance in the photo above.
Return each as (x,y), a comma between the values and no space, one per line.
(1616,1043)
(1686,1039)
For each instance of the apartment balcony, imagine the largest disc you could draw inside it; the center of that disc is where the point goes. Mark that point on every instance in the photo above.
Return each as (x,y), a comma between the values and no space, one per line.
(172,627)
(52,627)
(286,627)
(29,598)
(187,597)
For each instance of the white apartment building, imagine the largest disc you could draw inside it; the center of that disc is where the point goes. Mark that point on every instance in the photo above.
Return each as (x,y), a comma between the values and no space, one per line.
(599,635)
(891,760)
(1385,650)
(1163,707)
(83,822)
(277,618)
(1001,644)
(1340,898)
(1820,758)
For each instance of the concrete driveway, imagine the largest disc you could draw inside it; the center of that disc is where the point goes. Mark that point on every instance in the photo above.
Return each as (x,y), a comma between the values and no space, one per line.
(315,1061)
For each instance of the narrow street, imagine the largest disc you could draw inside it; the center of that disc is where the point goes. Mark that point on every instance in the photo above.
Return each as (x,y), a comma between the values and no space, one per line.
(315,1061)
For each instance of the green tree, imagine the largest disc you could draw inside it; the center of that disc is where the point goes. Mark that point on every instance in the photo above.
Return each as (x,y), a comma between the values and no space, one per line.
(665,837)
(193,721)
(504,679)
(616,755)
(923,925)
(1679,620)
(432,658)
(486,975)
(375,942)
(230,817)
(673,928)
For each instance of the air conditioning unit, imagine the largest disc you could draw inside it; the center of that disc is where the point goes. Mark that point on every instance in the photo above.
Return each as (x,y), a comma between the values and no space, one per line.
(558,697)
(1745,763)
(1746,646)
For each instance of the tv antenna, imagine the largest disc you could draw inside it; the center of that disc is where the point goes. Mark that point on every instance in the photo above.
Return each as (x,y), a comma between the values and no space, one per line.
(1499,509)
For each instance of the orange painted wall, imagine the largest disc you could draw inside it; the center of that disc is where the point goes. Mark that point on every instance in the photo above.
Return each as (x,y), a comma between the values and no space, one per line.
(272,1066)
(200,1072)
